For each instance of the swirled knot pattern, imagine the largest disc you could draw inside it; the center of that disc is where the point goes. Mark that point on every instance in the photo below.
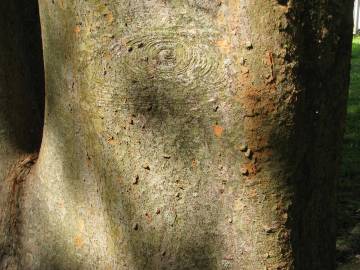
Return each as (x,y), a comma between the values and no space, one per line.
(173,57)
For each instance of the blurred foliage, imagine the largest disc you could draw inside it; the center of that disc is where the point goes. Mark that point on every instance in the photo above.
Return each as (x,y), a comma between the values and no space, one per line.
(348,243)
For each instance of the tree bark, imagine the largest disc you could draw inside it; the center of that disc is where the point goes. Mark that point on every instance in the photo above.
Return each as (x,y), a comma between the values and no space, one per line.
(188,135)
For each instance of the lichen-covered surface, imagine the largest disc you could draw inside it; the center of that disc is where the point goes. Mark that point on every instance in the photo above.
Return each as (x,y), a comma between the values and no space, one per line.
(143,163)
(172,137)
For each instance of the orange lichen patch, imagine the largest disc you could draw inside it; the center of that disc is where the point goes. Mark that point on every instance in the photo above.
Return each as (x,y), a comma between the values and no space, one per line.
(253,123)
(78,241)
(251,168)
(256,100)
(269,58)
(218,130)
(77,29)
(111,140)
(194,163)
(223,45)
(269,61)
(259,108)
(242,79)
(244,70)
(109,17)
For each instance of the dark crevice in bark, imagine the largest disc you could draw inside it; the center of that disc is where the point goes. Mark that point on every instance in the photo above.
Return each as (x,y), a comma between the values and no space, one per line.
(21,74)
(283,2)
(12,211)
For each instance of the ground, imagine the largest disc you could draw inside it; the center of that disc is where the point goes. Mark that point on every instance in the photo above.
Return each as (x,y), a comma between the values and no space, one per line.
(348,242)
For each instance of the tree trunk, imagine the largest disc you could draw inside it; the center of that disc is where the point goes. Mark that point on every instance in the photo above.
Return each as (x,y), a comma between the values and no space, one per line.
(191,134)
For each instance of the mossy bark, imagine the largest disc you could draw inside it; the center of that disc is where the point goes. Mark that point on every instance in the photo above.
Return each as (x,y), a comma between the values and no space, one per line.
(188,135)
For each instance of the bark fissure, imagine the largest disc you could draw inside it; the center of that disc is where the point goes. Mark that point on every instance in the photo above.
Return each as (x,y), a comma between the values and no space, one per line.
(11,212)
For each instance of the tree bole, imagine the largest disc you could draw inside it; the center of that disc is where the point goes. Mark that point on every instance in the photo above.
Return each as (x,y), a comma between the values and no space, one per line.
(188,135)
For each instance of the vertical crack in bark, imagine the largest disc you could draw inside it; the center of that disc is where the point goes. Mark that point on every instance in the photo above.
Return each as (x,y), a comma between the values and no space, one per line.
(11,213)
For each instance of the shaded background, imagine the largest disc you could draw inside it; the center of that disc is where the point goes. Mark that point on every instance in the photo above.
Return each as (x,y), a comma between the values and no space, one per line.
(348,243)
(21,74)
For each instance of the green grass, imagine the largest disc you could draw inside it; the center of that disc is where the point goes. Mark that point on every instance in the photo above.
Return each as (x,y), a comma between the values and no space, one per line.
(349,185)
(351,155)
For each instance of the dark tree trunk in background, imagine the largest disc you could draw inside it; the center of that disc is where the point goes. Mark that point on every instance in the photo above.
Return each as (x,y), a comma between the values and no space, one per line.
(178,134)
(21,113)
(323,73)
